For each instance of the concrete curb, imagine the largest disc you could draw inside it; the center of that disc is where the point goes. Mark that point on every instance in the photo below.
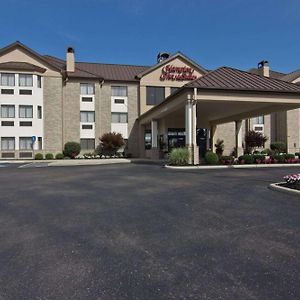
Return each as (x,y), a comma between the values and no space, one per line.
(282,189)
(232,167)
(85,162)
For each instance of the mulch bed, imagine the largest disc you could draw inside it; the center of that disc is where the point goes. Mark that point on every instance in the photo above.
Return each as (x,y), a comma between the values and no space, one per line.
(294,186)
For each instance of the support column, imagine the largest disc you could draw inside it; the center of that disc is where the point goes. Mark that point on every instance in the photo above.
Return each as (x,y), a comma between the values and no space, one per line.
(154,140)
(213,129)
(189,128)
(141,141)
(194,134)
(238,138)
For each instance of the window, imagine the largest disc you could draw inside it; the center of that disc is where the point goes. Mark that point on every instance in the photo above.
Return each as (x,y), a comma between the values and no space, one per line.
(87,88)
(174,89)
(85,126)
(7,143)
(87,99)
(119,101)
(39,112)
(7,91)
(7,123)
(119,117)
(25,111)
(40,143)
(25,80)
(119,91)
(7,79)
(155,95)
(87,116)
(25,143)
(258,120)
(25,124)
(25,92)
(148,139)
(39,81)
(7,111)
(87,144)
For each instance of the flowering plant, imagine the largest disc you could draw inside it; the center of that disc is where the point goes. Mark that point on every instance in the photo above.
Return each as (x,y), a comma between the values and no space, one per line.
(292,178)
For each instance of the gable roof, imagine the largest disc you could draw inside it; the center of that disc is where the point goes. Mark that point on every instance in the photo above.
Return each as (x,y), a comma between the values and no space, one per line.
(18,44)
(225,78)
(176,55)
(21,66)
(291,76)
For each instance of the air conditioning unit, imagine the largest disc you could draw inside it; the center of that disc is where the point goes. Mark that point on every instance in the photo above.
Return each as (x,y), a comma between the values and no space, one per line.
(258,127)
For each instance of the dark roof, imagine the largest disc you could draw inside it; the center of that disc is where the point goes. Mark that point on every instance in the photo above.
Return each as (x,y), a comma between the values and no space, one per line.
(21,66)
(108,72)
(291,76)
(225,78)
(273,74)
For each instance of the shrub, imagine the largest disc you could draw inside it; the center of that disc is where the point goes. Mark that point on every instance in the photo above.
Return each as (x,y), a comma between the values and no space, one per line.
(259,158)
(219,147)
(297,154)
(110,143)
(266,152)
(59,156)
(256,152)
(39,156)
(279,158)
(247,159)
(72,149)
(49,156)
(211,158)
(278,147)
(254,139)
(289,156)
(227,160)
(179,157)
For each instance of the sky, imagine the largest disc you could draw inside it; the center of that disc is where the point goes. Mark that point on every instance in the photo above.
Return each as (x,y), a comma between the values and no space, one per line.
(214,33)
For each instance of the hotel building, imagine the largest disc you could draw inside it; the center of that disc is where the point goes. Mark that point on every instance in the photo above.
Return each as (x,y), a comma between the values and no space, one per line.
(47,101)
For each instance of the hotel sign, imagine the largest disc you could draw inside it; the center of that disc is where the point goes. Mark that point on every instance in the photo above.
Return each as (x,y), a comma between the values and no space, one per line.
(170,72)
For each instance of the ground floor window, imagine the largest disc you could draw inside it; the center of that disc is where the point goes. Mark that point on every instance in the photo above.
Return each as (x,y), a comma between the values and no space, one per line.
(40,143)
(7,143)
(148,139)
(87,144)
(25,143)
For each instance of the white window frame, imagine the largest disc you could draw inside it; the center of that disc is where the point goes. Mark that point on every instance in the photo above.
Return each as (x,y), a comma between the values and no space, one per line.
(87,88)
(28,80)
(27,107)
(11,143)
(87,115)
(9,81)
(9,108)
(28,143)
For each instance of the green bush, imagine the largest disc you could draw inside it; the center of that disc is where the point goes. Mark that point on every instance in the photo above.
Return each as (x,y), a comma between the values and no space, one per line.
(72,149)
(278,147)
(260,157)
(227,159)
(59,156)
(289,156)
(211,158)
(39,156)
(247,158)
(297,154)
(179,157)
(279,158)
(256,152)
(49,156)
(266,152)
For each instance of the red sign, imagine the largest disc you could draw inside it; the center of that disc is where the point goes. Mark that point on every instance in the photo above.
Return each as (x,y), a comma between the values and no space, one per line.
(170,72)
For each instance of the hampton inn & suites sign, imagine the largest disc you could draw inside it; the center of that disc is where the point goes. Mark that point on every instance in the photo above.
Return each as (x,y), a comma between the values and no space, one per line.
(170,72)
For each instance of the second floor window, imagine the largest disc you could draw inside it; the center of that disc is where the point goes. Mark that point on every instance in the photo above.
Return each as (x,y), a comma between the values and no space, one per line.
(87,116)
(119,91)
(155,95)
(25,111)
(7,79)
(25,80)
(7,111)
(87,88)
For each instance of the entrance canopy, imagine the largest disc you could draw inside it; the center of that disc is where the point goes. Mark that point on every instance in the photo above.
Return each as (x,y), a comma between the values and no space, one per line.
(221,96)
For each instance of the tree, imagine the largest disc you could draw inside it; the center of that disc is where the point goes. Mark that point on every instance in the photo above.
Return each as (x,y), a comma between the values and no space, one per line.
(110,143)
(219,147)
(254,139)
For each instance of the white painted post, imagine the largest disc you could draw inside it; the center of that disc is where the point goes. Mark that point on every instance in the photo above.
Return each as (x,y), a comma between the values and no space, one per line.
(154,132)
(238,138)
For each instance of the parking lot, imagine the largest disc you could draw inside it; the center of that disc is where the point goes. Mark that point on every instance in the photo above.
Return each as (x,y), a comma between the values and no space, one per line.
(146,232)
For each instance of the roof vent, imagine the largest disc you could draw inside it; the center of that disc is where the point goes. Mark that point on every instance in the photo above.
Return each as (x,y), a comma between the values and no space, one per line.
(162,56)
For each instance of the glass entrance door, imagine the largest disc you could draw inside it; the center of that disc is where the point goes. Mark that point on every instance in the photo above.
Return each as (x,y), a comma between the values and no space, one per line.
(176,138)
